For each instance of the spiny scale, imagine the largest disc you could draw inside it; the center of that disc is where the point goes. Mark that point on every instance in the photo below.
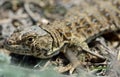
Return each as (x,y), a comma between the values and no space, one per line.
(88,21)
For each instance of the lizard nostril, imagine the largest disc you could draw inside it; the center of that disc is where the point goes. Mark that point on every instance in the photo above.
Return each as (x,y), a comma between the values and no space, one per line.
(8,41)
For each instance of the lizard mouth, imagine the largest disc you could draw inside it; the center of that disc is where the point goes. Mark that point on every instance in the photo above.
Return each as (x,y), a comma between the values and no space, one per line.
(14,48)
(18,48)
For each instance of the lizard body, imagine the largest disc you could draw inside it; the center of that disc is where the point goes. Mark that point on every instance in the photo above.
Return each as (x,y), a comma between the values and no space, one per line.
(79,27)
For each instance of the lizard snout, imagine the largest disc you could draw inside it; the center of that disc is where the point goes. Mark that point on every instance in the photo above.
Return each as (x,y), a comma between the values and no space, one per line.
(9,42)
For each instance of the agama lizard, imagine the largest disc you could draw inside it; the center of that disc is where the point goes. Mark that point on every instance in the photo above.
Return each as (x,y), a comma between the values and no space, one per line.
(76,29)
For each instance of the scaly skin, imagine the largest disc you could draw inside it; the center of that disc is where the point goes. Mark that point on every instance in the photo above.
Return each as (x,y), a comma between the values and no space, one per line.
(79,27)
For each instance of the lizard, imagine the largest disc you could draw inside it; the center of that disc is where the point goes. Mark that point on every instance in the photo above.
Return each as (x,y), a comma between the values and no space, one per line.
(78,28)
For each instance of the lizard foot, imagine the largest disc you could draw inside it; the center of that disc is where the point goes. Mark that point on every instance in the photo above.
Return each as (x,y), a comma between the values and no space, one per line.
(73,59)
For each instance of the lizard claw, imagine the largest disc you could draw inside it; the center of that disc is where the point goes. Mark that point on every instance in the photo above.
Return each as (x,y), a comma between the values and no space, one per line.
(68,68)
(62,69)
(71,70)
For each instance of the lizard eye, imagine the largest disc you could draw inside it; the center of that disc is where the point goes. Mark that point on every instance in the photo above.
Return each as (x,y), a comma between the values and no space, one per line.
(30,39)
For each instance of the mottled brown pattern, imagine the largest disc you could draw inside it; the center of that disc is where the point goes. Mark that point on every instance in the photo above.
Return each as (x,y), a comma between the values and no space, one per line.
(81,24)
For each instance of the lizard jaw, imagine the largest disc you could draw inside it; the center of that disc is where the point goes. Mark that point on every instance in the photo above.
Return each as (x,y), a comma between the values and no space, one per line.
(21,50)
(18,49)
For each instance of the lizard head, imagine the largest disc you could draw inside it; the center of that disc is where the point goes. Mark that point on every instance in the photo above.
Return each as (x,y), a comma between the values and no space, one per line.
(33,41)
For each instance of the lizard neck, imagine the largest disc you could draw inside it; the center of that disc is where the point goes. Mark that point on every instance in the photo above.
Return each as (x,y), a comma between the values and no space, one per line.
(58,38)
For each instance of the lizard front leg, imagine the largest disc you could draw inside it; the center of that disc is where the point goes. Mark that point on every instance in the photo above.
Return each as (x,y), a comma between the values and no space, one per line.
(72,58)
(74,62)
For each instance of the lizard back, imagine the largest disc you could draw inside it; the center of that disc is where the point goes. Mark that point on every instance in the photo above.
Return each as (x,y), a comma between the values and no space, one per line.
(85,23)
